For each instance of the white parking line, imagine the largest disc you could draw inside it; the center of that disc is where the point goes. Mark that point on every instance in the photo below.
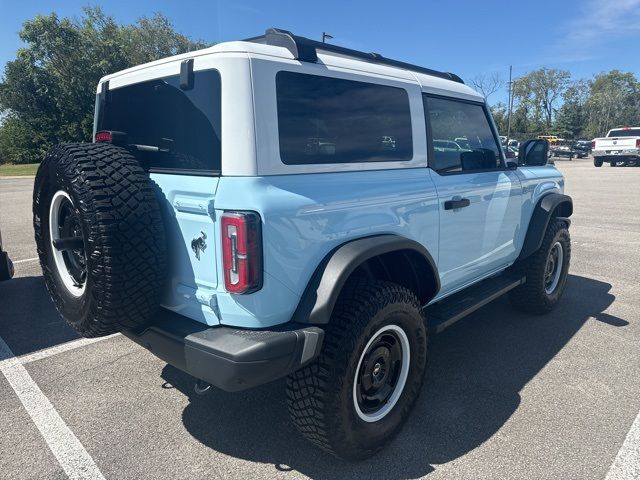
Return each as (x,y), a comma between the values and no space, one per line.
(24,260)
(63,347)
(72,456)
(626,466)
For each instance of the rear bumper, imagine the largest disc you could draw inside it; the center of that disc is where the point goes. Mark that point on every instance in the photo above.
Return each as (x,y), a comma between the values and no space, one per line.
(619,153)
(232,359)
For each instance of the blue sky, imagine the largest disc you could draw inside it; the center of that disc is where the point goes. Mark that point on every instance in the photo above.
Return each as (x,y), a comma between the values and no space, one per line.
(465,37)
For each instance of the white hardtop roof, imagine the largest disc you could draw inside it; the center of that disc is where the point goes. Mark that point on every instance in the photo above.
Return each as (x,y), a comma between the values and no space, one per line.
(429,83)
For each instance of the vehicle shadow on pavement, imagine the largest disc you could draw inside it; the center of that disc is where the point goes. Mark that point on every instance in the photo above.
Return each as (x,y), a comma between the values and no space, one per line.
(28,319)
(477,369)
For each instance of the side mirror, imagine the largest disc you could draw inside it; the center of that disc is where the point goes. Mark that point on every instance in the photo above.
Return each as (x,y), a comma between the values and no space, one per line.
(534,153)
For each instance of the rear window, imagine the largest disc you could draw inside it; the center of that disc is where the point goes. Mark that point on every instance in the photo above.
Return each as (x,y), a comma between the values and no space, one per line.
(325,120)
(625,132)
(169,128)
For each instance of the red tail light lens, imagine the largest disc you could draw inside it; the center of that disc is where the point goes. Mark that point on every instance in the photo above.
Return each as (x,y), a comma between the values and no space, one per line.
(104,137)
(241,251)
(111,136)
(637,142)
(593,144)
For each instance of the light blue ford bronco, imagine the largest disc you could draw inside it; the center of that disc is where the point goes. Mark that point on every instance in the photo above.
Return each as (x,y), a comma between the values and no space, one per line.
(280,207)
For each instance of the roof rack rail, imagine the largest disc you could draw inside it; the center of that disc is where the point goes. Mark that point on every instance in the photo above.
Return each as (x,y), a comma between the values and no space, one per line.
(304,49)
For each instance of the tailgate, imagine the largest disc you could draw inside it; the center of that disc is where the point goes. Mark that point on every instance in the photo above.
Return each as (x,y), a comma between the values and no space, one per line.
(615,143)
(188,208)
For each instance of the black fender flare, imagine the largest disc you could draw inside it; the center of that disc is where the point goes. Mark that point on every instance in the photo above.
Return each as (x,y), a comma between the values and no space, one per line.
(324,287)
(550,205)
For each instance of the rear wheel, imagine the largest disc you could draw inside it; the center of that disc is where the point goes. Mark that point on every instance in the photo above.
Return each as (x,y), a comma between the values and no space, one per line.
(597,162)
(100,237)
(355,397)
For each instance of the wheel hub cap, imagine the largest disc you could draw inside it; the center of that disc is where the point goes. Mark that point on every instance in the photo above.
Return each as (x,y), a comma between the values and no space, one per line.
(381,373)
(67,243)
(553,268)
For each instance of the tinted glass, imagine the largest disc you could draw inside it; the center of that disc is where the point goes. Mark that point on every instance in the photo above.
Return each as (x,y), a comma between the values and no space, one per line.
(627,132)
(181,127)
(462,137)
(330,120)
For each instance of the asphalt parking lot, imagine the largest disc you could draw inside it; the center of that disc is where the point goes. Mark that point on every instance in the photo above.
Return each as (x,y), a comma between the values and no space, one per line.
(507,395)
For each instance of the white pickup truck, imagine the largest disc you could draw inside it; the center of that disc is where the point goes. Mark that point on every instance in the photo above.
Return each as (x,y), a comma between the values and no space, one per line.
(621,146)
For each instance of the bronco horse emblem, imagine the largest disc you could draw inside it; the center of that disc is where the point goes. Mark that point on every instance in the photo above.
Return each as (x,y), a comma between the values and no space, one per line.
(198,244)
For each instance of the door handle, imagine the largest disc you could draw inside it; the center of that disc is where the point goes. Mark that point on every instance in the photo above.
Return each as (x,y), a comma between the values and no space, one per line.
(458,203)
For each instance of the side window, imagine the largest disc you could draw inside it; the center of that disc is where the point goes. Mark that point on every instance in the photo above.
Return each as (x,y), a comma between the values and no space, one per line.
(461,136)
(331,120)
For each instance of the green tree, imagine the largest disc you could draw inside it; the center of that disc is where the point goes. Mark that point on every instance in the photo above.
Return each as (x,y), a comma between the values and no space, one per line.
(18,142)
(571,118)
(539,93)
(500,112)
(614,101)
(48,91)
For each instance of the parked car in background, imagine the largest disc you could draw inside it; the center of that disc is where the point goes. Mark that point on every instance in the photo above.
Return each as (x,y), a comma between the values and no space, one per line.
(621,147)
(566,148)
(511,152)
(583,146)
(552,139)
(6,266)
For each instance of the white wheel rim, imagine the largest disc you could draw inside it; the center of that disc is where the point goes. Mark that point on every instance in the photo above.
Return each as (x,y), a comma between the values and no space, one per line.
(54,234)
(402,377)
(557,268)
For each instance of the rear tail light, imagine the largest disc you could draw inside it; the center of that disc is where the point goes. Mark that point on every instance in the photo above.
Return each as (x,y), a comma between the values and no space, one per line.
(104,137)
(593,144)
(241,251)
(110,136)
(637,142)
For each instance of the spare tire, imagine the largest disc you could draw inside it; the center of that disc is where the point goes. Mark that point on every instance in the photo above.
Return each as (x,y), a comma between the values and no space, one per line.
(100,237)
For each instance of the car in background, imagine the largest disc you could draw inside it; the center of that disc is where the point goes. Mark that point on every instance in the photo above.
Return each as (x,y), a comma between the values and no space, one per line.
(511,152)
(565,148)
(446,145)
(552,139)
(621,147)
(6,265)
(583,146)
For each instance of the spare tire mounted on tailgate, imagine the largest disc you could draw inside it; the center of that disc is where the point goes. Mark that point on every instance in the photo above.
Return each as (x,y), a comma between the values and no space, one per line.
(100,237)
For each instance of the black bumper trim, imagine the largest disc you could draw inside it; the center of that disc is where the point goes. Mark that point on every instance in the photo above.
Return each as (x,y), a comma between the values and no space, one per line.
(230,358)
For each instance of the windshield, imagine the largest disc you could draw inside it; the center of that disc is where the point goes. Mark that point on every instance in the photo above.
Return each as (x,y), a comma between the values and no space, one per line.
(168,128)
(625,132)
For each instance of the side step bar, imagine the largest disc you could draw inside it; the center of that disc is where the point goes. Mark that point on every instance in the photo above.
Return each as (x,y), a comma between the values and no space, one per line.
(445,313)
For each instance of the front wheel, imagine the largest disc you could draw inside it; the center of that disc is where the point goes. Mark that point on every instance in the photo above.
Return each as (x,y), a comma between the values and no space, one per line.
(355,397)
(546,271)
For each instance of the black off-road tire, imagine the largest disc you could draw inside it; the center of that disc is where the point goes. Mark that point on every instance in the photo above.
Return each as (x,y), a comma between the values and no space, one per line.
(531,297)
(597,162)
(123,233)
(320,396)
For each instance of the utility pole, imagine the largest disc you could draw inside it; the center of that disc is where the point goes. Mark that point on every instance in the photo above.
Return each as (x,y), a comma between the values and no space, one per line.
(325,36)
(510,105)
